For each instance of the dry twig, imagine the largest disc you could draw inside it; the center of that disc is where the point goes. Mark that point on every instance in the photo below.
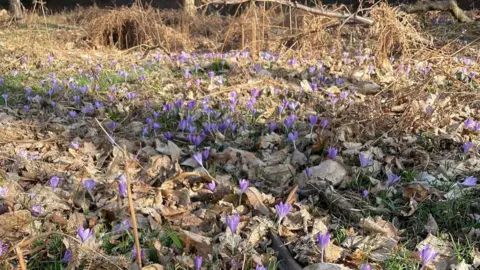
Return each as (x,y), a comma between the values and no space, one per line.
(317,11)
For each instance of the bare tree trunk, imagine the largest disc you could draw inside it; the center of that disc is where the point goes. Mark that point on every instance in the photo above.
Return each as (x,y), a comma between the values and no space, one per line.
(189,6)
(16,10)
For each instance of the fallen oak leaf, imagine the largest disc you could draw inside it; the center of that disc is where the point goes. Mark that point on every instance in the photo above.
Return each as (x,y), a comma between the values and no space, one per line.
(256,200)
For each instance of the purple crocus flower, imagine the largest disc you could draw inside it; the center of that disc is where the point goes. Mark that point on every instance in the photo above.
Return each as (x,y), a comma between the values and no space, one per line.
(366,267)
(467,146)
(54,182)
(469,123)
(182,125)
(365,193)
(89,184)
(84,234)
(323,240)
(255,93)
(36,210)
(124,226)
(67,257)
(243,185)
(292,136)
(122,186)
(470,181)
(134,252)
(191,105)
(364,161)
(212,185)
(178,103)
(427,255)
(313,120)
(72,114)
(332,152)
(3,248)
(131,95)
(293,105)
(168,135)
(308,172)
(197,139)
(344,95)
(3,191)
(260,267)
(167,107)
(206,154)
(198,158)
(198,262)
(324,122)
(272,126)
(392,178)
(290,120)
(5,98)
(211,74)
(232,222)
(75,145)
(282,210)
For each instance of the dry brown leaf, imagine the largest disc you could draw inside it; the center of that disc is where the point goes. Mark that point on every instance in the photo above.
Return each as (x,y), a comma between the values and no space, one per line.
(416,191)
(333,253)
(171,211)
(292,196)
(15,224)
(256,200)
(201,243)
(153,267)
(174,151)
(431,226)
(476,257)
(444,248)
(379,226)
(413,206)
(158,165)
(321,141)
(259,231)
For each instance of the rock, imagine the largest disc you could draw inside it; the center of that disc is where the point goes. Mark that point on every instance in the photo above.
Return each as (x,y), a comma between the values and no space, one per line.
(368,88)
(298,158)
(278,174)
(326,266)
(233,156)
(270,139)
(274,158)
(135,127)
(329,170)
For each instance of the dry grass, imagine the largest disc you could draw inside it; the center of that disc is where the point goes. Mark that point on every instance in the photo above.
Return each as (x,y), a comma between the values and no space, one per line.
(125,28)
(274,28)
(395,33)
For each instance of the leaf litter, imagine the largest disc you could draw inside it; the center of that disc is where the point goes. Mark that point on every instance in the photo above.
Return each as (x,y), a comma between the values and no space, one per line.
(230,166)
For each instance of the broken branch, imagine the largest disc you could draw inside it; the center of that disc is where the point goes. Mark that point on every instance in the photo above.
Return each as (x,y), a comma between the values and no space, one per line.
(332,14)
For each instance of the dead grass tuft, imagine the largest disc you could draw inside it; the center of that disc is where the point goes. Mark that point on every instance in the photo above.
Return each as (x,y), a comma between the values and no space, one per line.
(125,28)
(395,31)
